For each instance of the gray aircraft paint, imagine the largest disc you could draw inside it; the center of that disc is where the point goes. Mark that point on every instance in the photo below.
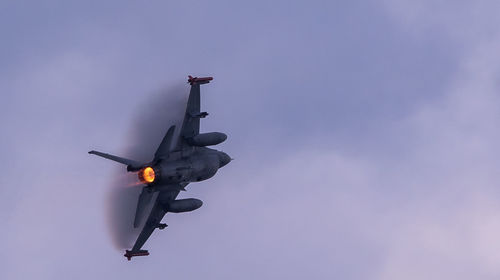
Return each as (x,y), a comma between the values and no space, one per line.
(190,161)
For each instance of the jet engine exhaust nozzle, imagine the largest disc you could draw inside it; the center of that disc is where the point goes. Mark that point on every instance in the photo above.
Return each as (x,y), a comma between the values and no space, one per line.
(147,175)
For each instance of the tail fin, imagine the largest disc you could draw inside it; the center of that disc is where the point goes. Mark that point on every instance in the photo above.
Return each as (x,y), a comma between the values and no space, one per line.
(132,165)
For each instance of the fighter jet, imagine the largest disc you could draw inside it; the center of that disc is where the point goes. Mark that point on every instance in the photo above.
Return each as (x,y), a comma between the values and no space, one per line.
(173,168)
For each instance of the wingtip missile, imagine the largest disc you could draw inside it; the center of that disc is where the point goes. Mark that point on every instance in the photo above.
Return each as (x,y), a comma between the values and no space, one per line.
(202,80)
(129,254)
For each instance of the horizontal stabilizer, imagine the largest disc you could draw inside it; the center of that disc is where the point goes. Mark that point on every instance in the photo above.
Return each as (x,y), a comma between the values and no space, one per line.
(164,148)
(130,254)
(142,204)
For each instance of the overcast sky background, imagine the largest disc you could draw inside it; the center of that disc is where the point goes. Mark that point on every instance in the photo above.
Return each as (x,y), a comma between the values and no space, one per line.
(365,135)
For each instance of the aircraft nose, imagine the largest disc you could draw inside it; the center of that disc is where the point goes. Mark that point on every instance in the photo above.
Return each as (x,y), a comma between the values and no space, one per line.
(223,159)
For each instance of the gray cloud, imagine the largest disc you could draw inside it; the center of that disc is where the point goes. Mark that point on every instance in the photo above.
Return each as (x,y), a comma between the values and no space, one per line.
(365,146)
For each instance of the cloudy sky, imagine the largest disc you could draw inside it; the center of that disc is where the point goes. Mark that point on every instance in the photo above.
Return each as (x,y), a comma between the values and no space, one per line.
(365,135)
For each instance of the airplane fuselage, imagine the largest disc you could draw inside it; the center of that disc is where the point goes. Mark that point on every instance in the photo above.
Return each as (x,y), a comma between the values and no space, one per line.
(190,165)
(172,168)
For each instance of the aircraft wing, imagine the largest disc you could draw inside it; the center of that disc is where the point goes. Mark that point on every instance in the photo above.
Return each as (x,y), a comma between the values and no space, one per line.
(191,122)
(154,219)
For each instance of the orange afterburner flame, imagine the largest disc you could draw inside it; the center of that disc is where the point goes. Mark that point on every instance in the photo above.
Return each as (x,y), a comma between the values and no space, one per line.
(147,175)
